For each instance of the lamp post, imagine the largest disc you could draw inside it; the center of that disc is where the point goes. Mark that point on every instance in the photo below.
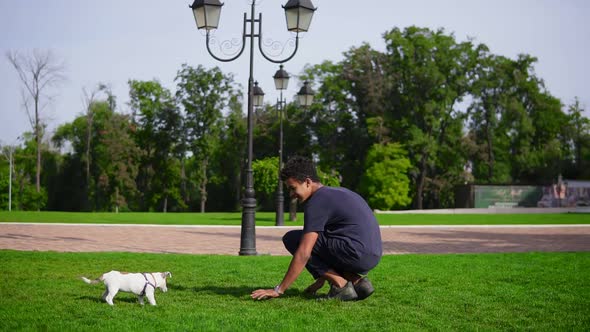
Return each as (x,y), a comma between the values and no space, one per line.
(298,14)
(305,98)
(281,78)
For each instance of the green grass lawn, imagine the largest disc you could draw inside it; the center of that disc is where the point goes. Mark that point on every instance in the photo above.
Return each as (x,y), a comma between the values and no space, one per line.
(268,218)
(520,291)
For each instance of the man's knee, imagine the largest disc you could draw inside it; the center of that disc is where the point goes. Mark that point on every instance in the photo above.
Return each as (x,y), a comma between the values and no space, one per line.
(291,240)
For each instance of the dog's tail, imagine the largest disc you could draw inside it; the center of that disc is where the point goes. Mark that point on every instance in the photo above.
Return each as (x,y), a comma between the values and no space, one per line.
(95,281)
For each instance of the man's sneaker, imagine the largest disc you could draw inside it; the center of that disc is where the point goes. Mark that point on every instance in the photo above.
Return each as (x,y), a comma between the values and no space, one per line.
(346,293)
(364,288)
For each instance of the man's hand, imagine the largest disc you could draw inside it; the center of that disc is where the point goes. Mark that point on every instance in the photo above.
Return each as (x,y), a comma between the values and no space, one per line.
(263,294)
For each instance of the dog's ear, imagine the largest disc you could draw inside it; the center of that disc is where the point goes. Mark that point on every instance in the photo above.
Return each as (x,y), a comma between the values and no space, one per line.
(166,275)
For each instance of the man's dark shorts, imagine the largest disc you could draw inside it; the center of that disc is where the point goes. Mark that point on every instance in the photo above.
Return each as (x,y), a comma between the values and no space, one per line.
(331,254)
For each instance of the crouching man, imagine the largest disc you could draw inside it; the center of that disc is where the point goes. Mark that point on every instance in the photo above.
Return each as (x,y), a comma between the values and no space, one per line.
(340,241)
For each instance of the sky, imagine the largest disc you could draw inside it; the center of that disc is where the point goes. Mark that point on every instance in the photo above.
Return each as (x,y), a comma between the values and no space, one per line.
(114,41)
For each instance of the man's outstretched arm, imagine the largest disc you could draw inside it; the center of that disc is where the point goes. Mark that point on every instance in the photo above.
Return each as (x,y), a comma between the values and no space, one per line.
(297,265)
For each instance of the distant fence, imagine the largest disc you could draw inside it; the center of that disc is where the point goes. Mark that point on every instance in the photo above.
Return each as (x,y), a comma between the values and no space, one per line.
(565,195)
(492,210)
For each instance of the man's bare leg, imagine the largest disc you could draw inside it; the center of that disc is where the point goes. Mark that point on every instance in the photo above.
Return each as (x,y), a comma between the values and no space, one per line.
(317,285)
(335,279)
(353,277)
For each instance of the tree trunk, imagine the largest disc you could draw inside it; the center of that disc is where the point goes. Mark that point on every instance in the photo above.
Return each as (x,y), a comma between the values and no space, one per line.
(184,192)
(117,200)
(88,138)
(490,147)
(204,186)
(293,209)
(490,143)
(38,142)
(237,190)
(421,182)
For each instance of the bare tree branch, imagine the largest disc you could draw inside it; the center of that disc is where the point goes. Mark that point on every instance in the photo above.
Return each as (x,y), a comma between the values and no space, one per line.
(38,71)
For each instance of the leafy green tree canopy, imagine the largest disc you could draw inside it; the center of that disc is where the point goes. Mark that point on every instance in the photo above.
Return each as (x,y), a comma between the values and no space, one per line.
(385,183)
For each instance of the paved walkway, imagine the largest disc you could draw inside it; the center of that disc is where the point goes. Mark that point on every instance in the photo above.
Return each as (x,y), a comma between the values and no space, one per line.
(226,240)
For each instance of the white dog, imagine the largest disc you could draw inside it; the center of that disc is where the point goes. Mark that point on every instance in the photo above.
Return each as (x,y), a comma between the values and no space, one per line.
(141,284)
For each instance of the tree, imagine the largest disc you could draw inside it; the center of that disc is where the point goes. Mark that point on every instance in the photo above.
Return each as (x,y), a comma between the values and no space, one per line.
(428,79)
(8,174)
(409,94)
(118,161)
(39,72)
(25,196)
(338,134)
(158,132)
(115,158)
(82,164)
(204,94)
(230,157)
(89,100)
(385,183)
(515,122)
(488,150)
(266,179)
(577,141)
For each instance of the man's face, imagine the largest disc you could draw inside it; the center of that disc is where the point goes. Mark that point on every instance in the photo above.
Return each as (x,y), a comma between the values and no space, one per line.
(299,190)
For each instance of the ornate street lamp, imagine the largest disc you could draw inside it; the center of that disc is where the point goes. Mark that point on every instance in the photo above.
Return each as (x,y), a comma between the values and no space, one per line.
(258,95)
(305,95)
(298,14)
(207,13)
(281,78)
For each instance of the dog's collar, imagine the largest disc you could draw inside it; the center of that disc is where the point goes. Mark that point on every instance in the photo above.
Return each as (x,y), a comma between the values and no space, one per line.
(147,282)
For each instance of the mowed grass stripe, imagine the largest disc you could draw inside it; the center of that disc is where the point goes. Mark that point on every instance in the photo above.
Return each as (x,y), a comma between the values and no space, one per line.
(268,218)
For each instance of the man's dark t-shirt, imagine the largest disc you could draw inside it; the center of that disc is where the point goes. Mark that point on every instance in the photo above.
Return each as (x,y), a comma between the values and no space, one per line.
(344,215)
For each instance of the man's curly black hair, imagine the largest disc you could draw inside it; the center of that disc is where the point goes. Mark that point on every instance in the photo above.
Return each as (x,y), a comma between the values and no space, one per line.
(299,168)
